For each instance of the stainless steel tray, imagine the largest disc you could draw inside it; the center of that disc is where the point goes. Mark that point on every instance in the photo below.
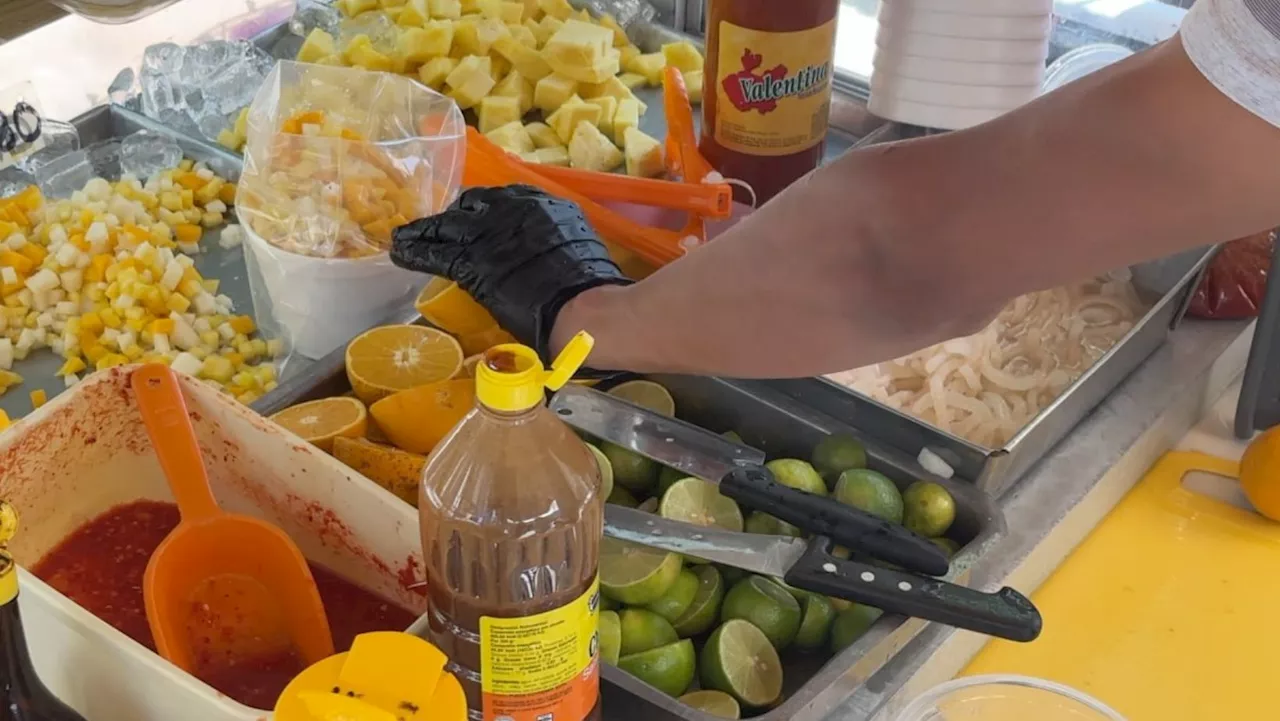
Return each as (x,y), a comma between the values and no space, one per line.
(1166,285)
(782,428)
(103,124)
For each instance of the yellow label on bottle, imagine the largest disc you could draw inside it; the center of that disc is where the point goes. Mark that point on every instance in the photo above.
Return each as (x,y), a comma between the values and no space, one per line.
(773,90)
(544,666)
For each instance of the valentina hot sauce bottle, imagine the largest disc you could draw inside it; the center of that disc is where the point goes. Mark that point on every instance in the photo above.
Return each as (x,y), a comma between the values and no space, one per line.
(769,69)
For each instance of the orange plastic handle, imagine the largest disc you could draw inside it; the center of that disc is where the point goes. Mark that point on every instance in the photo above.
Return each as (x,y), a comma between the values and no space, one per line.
(488,164)
(683,158)
(164,413)
(710,200)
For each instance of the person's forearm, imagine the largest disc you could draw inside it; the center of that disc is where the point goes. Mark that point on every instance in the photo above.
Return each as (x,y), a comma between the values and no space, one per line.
(898,246)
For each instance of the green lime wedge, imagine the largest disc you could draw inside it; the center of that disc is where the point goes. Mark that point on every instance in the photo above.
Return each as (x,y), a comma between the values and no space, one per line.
(630,469)
(642,630)
(678,598)
(850,624)
(667,478)
(668,668)
(606,471)
(816,624)
(836,454)
(928,509)
(705,608)
(620,496)
(646,394)
(766,605)
(761,522)
(739,660)
(695,501)
(797,474)
(610,637)
(713,703)
(635,574)
(872,492)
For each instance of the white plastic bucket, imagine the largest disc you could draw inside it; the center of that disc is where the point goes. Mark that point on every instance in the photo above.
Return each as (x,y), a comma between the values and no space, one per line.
(319,304)
(87,451)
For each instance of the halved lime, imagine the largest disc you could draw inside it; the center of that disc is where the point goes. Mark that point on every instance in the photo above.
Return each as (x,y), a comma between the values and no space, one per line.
(610,630)
(641,630)
(713,703)
(668,668)
(635,574)
(836,454)
(695,501)
(667,477)
(928,509)
(872,492)
(678,598)
(646,394)
(767,606)
(630,469)
(850,624)
(818,615)
(797,474)
(761,522)
(705,608)
(606,471)
(739,660)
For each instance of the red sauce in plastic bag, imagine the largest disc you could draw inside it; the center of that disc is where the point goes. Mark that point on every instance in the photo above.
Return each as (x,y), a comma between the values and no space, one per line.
(1235,281)
(101,564)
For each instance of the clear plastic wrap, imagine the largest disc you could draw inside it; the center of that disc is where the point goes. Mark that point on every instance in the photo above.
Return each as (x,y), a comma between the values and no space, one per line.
(1235,281)
(335,159)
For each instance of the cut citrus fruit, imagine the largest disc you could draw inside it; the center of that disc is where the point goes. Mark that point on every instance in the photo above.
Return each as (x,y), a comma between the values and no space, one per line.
(695,501)
(1258,476)
(635,574)
(767,606)
(816,624)
(395,470)
(669,668)
(850,624)
(417,419)
(739,660)
(713,703)
(702,613)
(320,421)
(606,471)
(646,394)
(449,308)
(678,598)
(641,630)
(394,358)
(476,343)
(610,637)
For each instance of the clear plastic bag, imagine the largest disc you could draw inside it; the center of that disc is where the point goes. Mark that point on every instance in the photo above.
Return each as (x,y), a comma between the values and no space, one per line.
(335,159)
(1235,281)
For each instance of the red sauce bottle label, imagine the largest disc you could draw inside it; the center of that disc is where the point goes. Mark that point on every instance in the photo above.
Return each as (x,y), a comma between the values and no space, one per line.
(544,666)
(773,89)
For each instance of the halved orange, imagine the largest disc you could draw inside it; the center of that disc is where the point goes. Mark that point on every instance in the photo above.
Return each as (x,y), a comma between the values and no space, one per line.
(416,420)
(394,358)
(476,343)
(1260,473)
(470,363)
(321,421)
(449,308)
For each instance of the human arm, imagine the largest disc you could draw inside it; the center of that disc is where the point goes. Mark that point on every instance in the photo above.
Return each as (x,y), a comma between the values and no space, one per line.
(895,247)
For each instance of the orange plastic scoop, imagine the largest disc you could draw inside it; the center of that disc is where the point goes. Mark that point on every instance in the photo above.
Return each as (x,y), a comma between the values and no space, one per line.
(710,200)
(221,588)
(683,157)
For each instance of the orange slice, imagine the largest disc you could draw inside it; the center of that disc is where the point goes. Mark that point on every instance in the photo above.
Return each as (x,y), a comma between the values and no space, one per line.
(394,358)
(477,343)
(449,308)
(319,422)
(395,470)
(469,365)
(416,420)
(1258,473)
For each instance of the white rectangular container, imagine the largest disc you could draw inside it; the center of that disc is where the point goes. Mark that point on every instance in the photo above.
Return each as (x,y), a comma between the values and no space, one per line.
(87,450)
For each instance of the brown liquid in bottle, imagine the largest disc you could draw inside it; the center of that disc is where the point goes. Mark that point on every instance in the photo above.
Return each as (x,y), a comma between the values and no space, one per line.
(511,527)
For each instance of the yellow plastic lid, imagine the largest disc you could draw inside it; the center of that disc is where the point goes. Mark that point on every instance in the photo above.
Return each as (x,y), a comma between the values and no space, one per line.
(511,377)
(386,676)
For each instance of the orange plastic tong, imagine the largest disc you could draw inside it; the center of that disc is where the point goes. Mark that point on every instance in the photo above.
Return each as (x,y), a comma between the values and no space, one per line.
(221,587)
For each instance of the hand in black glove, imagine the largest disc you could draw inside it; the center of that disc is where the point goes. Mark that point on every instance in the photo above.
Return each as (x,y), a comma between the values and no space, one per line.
(520,253)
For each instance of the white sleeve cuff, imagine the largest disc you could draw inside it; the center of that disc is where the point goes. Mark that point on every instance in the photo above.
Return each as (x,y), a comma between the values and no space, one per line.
(1236,45)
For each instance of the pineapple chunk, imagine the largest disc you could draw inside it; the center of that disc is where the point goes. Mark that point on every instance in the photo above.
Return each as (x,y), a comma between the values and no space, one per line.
(475,36)
(589,149)
(433,40)
(558,155)
(693,83)
(497,111)
(335,60)
(543,136)
(414,14)
(608,108)
(317,45)
(524,35)
(649,65)
(511,12)
(620,39)
(514,85)
(682,55)
(612,87)
(433,74)
(553,91)
(547,27)
(391,4)
(559,9)
(511,137)
(361,54)
(522,57)
(531,10)
(627,55)
(470,81)
(352,8)
(499,68)
(631,81)
(628,116)
(565,121)
(582,51)
(445,9)
(643,154)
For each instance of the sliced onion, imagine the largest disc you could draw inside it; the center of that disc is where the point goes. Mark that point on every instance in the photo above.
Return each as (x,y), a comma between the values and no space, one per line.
(934,464)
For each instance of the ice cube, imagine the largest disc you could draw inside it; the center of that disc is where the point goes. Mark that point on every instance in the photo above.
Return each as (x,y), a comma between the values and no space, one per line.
(124,87)
(146,153)
(236,83)
(158,94)
(211,124)
(205,60)
(163,59)
(13,180)
(312,14)
(378,26)
(57,139)
(104,158)
(62,176)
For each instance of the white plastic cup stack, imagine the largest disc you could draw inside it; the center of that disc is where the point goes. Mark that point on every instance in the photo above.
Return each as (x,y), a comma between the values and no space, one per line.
(951,64)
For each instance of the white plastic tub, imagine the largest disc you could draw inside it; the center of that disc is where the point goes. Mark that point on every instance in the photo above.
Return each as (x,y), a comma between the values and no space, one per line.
(87,451)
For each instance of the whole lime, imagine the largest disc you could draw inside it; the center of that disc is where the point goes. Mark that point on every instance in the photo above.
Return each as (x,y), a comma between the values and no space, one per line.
(928,509)
(870,491)
(761,522)
(836,454)
(850,624)
(765,605)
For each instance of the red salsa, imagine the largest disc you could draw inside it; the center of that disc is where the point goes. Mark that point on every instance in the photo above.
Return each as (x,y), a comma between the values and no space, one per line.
(101,564)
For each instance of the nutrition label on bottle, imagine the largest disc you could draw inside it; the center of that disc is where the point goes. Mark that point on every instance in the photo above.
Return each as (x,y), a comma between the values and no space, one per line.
(542,667)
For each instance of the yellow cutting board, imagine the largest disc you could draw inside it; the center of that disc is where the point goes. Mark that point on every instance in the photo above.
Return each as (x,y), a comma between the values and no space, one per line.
(1168,611)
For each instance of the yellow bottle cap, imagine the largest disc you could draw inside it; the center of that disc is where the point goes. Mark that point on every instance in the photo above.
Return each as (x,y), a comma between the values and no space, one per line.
(511,377)
(383,676)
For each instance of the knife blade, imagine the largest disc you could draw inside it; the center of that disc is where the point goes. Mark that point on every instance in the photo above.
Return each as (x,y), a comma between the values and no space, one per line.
(757,553)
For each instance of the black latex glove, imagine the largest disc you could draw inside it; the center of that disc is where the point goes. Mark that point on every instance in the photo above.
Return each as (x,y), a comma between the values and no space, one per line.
(519,252)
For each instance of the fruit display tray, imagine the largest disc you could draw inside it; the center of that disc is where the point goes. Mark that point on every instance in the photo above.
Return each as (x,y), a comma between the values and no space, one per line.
(768,420)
